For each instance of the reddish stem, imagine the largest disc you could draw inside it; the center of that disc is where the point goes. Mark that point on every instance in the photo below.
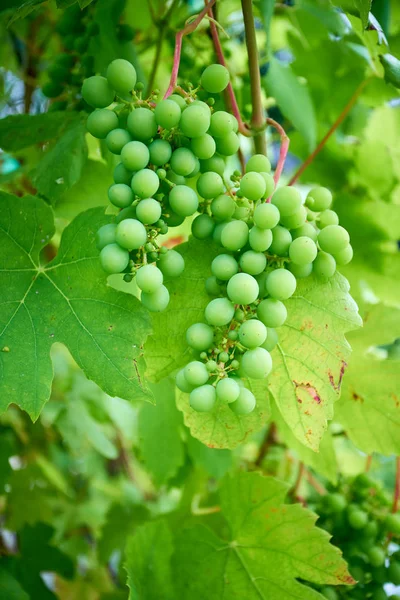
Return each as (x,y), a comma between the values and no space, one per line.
(285,141)
(190,27)
(368,463)
(396,496)
(326,137)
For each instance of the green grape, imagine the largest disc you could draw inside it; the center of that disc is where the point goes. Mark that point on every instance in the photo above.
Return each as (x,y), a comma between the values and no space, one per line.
(200,336)
(142,124)
(196,168)
(303,250)
(218,232)
(228,145)
(195,121)
(174,178)
(379,594)
(223,357)
(135,156)
(394,573)
(219,312)
(242,289)
(149,278)
(319,198)
(300,271)
(211,366)
(105,235)
(281,284)
(269,183)
(333,239)
(258,163)
(126,213)
(203,227)
(252,262)
(97,92)
(172,219)
(272,339)
(202,399)
(242,213)
(281,240)
(113,258)
(252,186)
(271,312)
(328,217)
(156,301)
(203,147)
(376,555)
(223,207)
(296,220)
(252,333)
(266,216)
(209,185)
(145,183)
(196,373)
(65,60)
(148,211)
(324,265)
(245,403)
(168,114)
(100,122)
(215,78)
(171,264)
(224,266)
(329,593)
(122,174)
(239,315)
(344,256)
(233,335)
(288,200)
(160,152)
(213,287)
(116,140)
(335,502)
(131,234)
(260,239)
(215,163)
(256,363)
(183,200)
(227,390)
(222,123)
(121,76)
(181,382)
(180,101)
(306,230)
(234,235)
(358,519)
(183,161)
(261,279)
(120,195)
(392,523)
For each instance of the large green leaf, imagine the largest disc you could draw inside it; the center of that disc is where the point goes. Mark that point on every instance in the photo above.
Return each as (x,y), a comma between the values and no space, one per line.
(24,9)
(148,562)
(215,461)
(160,427)
(369,408)
(363,7)
(268,547)
(312,355)
(21,131)
(10,587)
(64,301)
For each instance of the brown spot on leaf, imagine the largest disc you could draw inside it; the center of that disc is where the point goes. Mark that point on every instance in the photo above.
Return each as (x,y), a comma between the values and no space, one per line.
(341,373)
(310,389)
(356,397)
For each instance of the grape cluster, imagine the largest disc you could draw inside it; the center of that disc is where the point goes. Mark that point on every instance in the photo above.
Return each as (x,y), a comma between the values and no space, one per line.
(162,147)
(267,247)
(358,515)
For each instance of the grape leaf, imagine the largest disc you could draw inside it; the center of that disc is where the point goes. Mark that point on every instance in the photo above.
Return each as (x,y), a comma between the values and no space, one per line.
(363,7)
(160,426)
(221,428)
(64,301)
(369,409)
(20,131)
(148,557)
(24,9)
(312,354)
(216,462)
(10,587)
(270,546)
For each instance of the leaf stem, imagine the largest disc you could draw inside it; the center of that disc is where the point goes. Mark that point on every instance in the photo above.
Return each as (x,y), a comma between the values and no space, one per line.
(368,463)
(257,118)
(396,495)
(326,137)
(269,440)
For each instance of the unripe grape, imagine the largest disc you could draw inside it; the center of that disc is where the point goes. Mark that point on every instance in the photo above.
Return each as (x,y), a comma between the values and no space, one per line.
(256,363)
(145,183)
(196,373)
(171,264)
(281,284)
(100,122)
(272,339)
(203,227)
(195,121)
(126,213)
(120,195)
(203,147)
(228,145)
(148,211)
(196,169)
(114,259)
(258,163)
(121,75)
(105,235)
(242,289)
(116,140)
(234,235)
(223,207)
(358,519)
(333,239)
(175,178)
(303,250)
(97,92)
(122,174)
(394,573)
(183,200)
(281,240)
(227,390)
(319,198)
(324,265)
(131,234)
(344,256)
(182,161)
(209,185)
(181,382)
(180,101)
(335,502)
(376,556)
(392,523)
(260,239)
(300,271)
(211,366)
(272,313)
(223,357)
(215,78)
(252,262)
(266,216)
(213,288)
(296,220)
(252,333)
(224,266)
(219,312)
(160,152)
(167,113)
(142,124)
(253,186)
(156,301)
(245,403)
(222,123)
(135,156)
(306,230)
(200,336)
(215,163)
(288,200)
(329,593)
(328,217)
(149,278)
(202,399)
